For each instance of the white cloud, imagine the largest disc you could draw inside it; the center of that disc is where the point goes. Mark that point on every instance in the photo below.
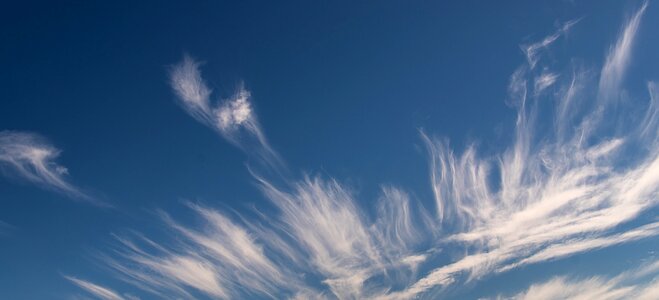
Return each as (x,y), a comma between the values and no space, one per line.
(555,191)
(94,289)
(619,57)
(233,118)
(560,193)
(30,157)
(640,283)
(318,238)
(544,81)
(534,51)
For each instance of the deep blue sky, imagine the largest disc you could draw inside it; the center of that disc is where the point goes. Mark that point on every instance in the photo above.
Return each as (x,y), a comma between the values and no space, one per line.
(341,89)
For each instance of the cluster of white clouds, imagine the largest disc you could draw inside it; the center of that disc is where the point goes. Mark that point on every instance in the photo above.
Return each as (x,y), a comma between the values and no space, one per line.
(560,192)
(554,192)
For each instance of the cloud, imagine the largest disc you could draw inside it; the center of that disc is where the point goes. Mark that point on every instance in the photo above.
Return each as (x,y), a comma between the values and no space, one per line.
(220,261)
(558,189)
(319,237)
(30,157)
(619,56)
(544,81)
(94,289)
(560,193)
(571,247)
(534,51)
(233,118)
(639,283)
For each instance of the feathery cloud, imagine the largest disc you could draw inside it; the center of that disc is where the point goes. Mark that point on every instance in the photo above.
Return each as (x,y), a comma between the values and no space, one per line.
(639,283)
(534,51)
(555,191)
(233,118)
(619,56)
(30,157)
(94,289)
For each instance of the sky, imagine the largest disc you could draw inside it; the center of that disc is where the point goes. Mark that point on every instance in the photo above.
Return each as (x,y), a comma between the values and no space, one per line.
(329,150)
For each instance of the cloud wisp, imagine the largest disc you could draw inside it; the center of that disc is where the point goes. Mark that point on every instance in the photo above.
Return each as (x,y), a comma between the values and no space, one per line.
(640,283)
(96,290)
(619,57)
(233,118)
(30,157)
(557,190)
(534,51)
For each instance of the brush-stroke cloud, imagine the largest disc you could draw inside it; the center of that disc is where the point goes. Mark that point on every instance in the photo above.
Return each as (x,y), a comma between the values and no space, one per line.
(535,50)
(95,289)
(619,56)
(555,191)
(29,156)
(639,283)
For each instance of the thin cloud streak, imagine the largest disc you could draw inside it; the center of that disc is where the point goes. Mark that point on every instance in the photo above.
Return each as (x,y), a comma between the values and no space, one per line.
(619,57)
(94,289)
(30,157)
(640,283)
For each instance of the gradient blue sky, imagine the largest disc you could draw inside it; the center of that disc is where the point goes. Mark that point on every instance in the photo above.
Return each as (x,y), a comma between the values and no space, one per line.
(384,149)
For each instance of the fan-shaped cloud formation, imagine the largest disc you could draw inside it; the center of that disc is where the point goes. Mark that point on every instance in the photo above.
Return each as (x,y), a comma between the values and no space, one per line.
(556,191)
(30,157)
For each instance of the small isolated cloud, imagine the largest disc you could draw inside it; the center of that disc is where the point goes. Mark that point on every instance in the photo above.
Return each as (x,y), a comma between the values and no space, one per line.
(534,51)
(30,157)
(233,118)
(544,81)
(319,237)
(95,290)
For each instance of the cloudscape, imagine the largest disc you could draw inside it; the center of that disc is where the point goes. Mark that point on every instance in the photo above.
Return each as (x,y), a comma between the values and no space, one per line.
(384,150)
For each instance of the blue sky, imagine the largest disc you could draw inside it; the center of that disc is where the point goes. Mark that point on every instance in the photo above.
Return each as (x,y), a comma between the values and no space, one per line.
(389,150)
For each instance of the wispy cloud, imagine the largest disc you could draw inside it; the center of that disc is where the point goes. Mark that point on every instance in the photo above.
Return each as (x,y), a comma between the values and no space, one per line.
(555,191)
(558,194)
(639,283)
(96,290)
(535,50)
(30,157)
(233,118)
(544,81)
(619,56)
(319,238)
